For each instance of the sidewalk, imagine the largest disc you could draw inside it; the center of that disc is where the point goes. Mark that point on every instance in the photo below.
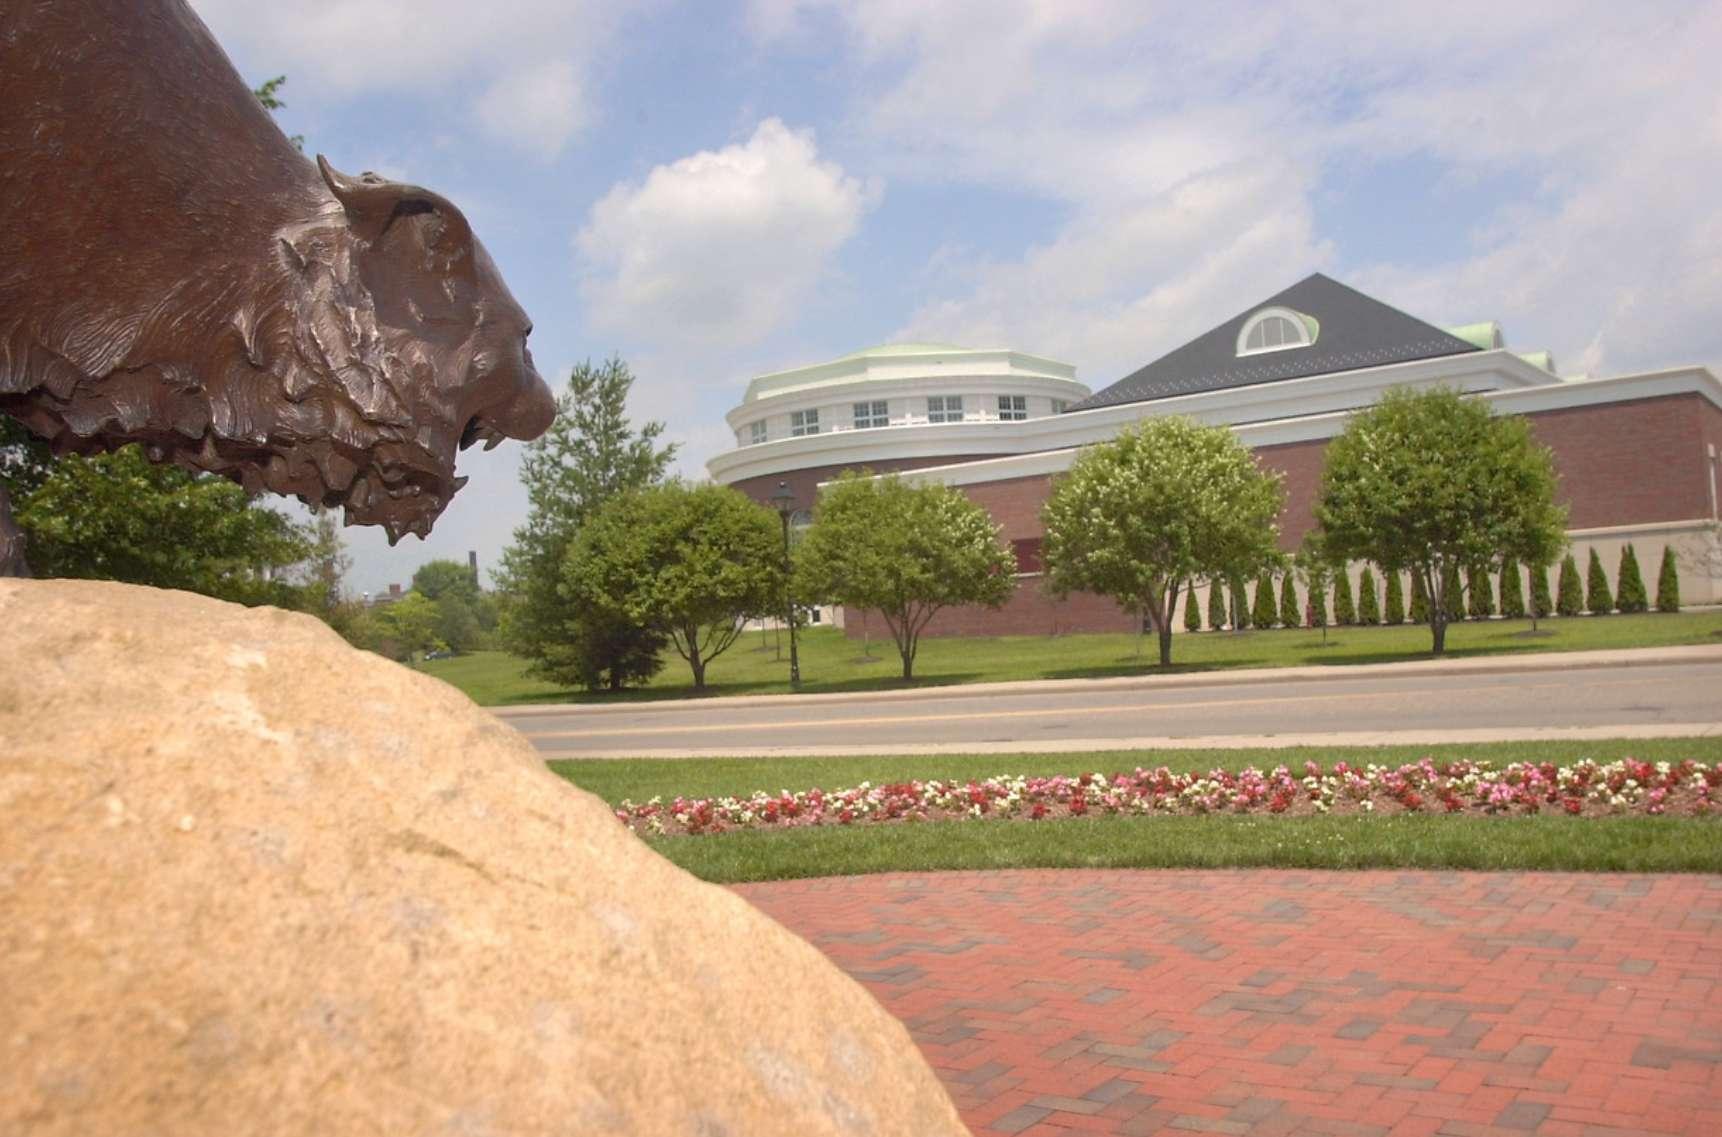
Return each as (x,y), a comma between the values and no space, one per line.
(1478,665)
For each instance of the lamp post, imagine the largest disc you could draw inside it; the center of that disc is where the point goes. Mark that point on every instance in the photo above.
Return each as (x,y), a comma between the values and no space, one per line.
(785,503)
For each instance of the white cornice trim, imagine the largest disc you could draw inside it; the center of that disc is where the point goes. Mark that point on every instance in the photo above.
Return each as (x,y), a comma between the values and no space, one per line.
(1282,402)
(908,386)
(1304,428)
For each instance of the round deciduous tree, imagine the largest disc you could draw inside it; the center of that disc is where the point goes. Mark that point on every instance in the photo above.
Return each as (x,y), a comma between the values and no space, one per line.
(907,550)
(1433,481)
(1167,502)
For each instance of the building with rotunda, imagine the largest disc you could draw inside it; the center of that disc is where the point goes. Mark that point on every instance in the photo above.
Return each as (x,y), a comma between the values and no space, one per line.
(1637,454)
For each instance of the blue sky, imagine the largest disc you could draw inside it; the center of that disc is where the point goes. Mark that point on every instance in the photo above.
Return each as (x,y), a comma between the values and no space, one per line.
(717,189)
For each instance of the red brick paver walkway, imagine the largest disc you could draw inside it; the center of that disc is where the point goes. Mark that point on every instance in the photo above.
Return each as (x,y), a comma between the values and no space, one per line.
(1353,1004)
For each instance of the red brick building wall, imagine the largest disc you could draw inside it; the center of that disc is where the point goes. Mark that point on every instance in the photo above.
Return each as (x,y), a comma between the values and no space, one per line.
(1630,463)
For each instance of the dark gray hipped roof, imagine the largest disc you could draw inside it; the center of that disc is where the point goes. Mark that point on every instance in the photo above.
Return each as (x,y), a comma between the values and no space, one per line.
(1355,331)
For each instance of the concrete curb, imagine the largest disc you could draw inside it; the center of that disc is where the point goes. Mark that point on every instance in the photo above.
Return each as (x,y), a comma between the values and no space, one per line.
(1485,665)
(1337,740)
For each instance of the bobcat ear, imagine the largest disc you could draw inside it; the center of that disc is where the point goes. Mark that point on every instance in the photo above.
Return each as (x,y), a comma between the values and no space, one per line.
(372,203)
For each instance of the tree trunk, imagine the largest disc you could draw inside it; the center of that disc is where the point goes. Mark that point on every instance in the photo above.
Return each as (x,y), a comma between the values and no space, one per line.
(12,561)
(1437,588)
(699,669)
(908,655)
(1439,626)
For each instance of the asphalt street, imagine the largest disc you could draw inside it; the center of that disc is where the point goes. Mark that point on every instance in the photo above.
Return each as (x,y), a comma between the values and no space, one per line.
(1082,717)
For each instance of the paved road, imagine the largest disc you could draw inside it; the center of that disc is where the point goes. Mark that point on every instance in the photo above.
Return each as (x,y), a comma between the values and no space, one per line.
(1672,697)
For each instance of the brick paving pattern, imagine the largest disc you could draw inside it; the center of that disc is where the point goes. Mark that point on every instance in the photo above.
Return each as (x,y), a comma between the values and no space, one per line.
(1273,1003)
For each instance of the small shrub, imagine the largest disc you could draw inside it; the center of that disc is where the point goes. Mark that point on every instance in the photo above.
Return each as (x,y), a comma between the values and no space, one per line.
(1419,599)
(1453,594)
(1596,597)
(1318,605)
(1266,611)
(1629,583)
(1668,583)
(1344,612)
(1395,613)
(1240,604)
(1541,605)
(1512,590)
(1368,604)
(1192,611)
(1482,591)
(1290,613)
(1569,594)
(1216,605)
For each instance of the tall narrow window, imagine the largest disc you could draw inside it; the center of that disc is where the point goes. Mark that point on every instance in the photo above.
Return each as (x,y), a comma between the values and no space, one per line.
(803,422)
(869,415)
(944,408)
(1013,408)
(1059,406)
(756,432)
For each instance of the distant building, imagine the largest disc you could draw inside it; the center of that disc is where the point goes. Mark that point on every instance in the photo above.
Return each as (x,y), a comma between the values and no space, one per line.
(1637,454)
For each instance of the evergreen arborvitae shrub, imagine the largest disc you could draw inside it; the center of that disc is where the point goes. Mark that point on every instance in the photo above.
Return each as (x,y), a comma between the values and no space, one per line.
(1266,612)
(1454,592)
(1629,584)
(1512,590)
(1368,605)
(1318,605)
(1290,614)
(1596,597)
(1541,605)
(1419,599)
(1216,605)
(1240,604)
(1668,583)
(1395,613)
(1569,593)
(1344,612)
(1482,591)
(1192,610)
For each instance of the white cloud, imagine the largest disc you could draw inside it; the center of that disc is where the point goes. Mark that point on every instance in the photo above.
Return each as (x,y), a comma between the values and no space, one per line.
(1190,142)
(721,247)
(538,108)
(521,66)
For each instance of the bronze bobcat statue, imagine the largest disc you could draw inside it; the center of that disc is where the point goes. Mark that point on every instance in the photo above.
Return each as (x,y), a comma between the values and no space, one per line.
(173,272)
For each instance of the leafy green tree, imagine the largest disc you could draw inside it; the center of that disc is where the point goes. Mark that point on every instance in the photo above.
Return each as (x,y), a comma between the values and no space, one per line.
(1569,594)
(266,94)
(1368,601)
(1216,605)
(1290,614)
(1629,583)
(1344,611)
(1192,611)
(1428,480)
(1596,597)
(439,578)
(1668,582)
(412,624)
(1420,613)
(904,550)
(1395,613)
(590,455)
(1167,502)
(121,517)
(1265,613)
(1482,592)
(692,561)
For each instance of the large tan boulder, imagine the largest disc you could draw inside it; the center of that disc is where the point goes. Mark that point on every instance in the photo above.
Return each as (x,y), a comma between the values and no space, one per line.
(253,882)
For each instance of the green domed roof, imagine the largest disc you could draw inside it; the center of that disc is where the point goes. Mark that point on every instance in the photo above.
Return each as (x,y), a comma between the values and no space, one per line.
(904,349)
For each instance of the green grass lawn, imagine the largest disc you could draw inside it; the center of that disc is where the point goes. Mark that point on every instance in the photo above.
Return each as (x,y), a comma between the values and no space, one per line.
(830,662)
(1545,842)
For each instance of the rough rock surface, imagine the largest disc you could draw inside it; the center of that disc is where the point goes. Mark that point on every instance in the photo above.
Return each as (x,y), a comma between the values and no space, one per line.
(253,881)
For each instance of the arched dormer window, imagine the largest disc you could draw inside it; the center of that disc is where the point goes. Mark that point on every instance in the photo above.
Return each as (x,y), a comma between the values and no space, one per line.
(1276,329)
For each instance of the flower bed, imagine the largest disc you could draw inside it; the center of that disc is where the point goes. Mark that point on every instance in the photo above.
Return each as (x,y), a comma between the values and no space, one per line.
(1583,789)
